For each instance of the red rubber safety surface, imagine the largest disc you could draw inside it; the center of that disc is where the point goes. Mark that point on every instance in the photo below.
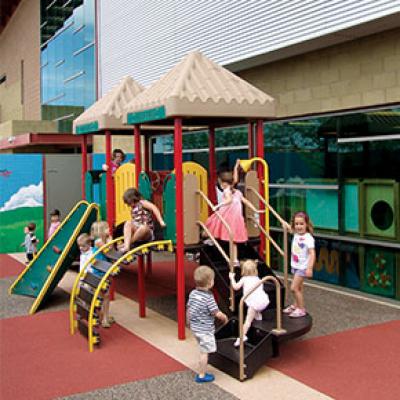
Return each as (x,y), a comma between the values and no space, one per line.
(357,364)
(9,266)
(41,360)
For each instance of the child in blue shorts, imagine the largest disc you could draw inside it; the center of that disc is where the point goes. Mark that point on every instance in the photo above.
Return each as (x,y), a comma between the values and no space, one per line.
(201,313)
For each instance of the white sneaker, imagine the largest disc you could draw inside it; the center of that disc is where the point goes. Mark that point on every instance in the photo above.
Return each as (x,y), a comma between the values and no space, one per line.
(237,341)
(258,316)
(208,242)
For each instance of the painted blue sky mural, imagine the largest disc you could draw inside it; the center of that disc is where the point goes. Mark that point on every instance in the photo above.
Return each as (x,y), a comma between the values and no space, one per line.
(17,171)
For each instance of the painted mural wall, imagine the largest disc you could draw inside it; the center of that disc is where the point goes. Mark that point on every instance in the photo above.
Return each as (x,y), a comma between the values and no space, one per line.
(21,199)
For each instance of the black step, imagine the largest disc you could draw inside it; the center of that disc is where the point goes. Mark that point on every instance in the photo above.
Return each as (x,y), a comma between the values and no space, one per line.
(92,279)
(83,312)
(102,266)
(294,327)
(258,349)
(113,254)
(84,330)
(86,294)
(86,306)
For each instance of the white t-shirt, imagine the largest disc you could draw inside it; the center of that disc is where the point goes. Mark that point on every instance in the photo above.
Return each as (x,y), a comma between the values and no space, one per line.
(259,300)
(301,245)
(84,257)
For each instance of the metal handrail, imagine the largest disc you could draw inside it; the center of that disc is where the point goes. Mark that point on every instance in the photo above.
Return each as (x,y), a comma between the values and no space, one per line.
(228,228)
(278,330)
(285,228)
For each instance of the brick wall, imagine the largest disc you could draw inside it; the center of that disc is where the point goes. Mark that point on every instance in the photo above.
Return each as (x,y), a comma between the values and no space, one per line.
(360,73)
(20,40)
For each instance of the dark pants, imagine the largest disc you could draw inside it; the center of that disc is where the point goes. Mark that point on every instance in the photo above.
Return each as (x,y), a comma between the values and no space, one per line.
(29,257)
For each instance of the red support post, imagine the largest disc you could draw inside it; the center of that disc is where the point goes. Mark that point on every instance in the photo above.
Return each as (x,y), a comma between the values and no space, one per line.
(179,254)
(138,155)
(109,183)
(250,139)
(84,164)
(260,170)
(146,154)
(141,287)
(212,166)
(110,201)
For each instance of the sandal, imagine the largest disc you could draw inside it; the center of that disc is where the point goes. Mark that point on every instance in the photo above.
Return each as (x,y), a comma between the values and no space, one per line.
(289,310)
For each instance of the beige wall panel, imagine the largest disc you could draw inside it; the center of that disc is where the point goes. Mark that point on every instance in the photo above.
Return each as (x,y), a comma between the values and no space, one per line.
(359,73)
(126,143)
(19,41)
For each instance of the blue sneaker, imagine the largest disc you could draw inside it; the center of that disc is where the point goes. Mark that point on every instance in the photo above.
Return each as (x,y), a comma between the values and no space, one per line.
(206,378)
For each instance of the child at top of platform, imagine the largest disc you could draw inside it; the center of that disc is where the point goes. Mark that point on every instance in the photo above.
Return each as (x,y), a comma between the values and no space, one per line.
(302,261)
(231,210)
(200,315)
(223,174)
(101,235)
(30,242)
(118,157)
(55,222)
(257,301)
(140,227)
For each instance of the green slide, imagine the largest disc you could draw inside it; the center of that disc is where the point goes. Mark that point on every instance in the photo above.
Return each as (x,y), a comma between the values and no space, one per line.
(42,275)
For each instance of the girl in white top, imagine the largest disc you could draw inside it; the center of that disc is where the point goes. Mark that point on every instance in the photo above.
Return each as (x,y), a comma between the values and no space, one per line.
(302,261)
(257,301)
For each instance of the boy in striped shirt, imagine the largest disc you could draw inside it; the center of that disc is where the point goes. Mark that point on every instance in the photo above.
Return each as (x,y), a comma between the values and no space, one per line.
(201,313)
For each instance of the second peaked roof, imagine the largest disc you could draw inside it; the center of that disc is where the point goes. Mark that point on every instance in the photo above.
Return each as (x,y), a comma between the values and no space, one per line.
(107,112)
(202,90)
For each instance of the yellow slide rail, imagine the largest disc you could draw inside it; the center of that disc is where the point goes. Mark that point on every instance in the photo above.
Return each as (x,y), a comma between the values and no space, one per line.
(114,269)
(63,255)
(124,178)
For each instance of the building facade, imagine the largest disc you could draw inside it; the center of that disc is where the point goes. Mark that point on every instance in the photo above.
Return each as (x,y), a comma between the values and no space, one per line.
(334,68)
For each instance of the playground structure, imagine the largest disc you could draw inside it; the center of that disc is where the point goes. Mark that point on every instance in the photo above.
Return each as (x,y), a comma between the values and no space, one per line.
(180,101)
(175,103)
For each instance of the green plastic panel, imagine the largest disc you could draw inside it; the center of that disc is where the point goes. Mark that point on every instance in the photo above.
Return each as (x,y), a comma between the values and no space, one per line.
(34,279)
(103,197)
(322,207)
(379,272)
(145,186)
(169,208)
(351,208)
(152,114)
(380,202)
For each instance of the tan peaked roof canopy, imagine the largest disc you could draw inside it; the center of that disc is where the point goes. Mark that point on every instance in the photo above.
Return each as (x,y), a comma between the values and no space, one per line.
(107,112)
(199,88)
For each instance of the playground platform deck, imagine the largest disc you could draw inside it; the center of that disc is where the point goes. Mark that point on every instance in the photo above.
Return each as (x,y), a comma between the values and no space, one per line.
(351,352)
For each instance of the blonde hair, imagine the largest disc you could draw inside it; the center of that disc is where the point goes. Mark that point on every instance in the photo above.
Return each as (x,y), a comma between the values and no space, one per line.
(84,240)
(100,231)
(249,268)
(203,276)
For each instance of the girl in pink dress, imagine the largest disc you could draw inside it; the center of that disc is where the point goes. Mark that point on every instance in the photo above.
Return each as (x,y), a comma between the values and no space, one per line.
(231,210)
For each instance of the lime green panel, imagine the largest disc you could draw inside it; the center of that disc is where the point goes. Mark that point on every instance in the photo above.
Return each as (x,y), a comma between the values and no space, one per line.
(33,280)
(379,272)
(153,114)
(322,207)
(89,187)
(169,207)
(145,186)
(103,197)
(351,212)
(288,201)
(380,205)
